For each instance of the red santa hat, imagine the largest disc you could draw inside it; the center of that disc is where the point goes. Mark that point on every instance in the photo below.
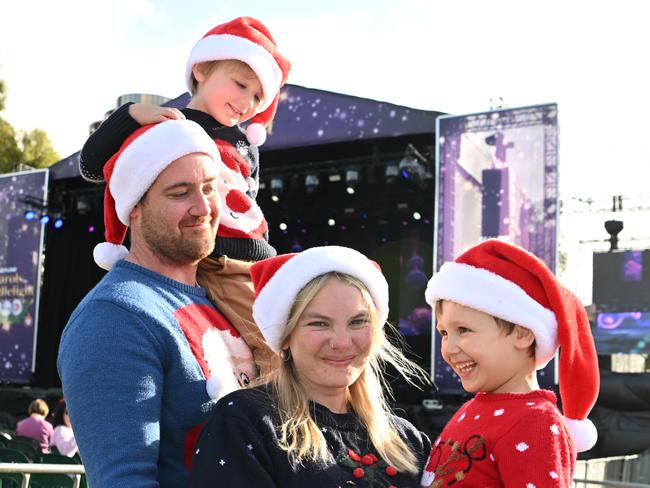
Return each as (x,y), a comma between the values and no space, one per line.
(508,282)
(278,280)
(134,168)
(248,40)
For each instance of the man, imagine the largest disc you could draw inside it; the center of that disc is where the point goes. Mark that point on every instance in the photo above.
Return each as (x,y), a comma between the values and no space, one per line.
(135,354)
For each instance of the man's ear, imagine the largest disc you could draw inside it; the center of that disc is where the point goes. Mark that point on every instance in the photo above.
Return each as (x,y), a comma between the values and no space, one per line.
(524,337)
(135,214)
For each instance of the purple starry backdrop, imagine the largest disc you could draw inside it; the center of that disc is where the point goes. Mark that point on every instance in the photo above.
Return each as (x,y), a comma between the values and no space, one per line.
(497,177)
(20,258)
(307,117)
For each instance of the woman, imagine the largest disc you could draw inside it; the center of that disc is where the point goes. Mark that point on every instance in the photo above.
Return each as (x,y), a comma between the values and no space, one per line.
(322,419)
(62,436)
(35,426)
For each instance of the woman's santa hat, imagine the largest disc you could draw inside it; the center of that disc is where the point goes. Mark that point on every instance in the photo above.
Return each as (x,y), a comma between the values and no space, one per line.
(248,40)
(134,168)
(278,280)
(508,282)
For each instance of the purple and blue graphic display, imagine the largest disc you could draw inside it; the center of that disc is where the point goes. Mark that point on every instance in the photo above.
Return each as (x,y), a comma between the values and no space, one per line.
(621,281)
(622,332)
(496,178)
(21,196)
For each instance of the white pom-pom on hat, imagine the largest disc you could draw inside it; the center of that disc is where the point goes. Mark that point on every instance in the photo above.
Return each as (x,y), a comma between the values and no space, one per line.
(256,134)
(106,254)
(584,432)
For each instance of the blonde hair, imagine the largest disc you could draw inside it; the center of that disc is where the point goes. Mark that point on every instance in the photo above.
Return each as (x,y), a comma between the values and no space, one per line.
(38,406)
(231,65)
(299,434)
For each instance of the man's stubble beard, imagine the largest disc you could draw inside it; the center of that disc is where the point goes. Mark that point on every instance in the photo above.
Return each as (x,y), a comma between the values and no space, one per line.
(176,247)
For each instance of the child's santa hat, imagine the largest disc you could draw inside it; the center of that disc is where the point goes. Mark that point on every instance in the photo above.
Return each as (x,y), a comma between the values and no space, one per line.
(508,282)
(248,40)
(134,168)
(278,280)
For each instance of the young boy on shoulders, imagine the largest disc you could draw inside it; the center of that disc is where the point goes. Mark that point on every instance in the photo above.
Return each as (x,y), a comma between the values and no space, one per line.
(234,74)
(502,315)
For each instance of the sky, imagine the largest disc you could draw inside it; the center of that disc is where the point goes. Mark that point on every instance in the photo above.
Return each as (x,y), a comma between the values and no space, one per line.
(66,62)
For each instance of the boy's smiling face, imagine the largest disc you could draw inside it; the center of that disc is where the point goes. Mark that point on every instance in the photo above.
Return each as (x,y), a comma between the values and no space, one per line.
(230,92)
(484,357)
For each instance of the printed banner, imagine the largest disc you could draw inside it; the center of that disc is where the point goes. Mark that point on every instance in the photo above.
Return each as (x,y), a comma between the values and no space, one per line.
(496,178)
(22,196)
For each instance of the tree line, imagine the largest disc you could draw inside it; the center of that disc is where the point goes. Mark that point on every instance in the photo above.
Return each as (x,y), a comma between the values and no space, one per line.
(32,148)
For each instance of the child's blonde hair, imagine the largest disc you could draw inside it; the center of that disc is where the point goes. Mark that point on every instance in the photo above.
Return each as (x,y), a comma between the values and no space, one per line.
(299,434)
(229,65)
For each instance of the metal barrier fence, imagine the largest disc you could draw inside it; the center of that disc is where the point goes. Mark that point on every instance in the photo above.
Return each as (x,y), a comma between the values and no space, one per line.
(620,471)
(28,469)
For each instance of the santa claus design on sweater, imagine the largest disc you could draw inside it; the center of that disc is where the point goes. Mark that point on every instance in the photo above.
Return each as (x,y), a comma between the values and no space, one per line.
(223,356)
(240,215)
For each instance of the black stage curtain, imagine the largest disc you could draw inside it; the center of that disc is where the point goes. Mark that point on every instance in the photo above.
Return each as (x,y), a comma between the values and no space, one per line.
(70,273)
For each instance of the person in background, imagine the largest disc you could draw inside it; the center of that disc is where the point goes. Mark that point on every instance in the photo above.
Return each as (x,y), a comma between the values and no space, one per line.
(323,420)
(234,74)
(35,426)
(62,436)
(501,315)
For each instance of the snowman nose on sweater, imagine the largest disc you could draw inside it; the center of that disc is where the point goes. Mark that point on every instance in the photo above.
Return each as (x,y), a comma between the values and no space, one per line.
(238,201)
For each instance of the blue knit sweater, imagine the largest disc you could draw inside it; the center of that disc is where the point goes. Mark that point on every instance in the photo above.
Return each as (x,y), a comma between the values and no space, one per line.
(133,385)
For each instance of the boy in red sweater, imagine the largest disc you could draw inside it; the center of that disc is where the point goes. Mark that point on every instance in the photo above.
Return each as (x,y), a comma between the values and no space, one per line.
(501,315)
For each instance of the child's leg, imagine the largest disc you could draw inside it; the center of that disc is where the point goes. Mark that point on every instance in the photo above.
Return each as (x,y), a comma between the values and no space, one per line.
(229,286)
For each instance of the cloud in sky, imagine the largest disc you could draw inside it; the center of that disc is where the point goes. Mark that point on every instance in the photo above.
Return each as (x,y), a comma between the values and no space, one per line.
(66,65)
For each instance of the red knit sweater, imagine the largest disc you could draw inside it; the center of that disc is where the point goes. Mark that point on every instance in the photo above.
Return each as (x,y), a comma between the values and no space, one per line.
(504,440)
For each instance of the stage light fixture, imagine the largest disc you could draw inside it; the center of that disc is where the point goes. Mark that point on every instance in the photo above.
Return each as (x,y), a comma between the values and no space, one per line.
(283,226)
(413,166)
(30,215)
(277,186)
(331,222)
(391,173)
(311,182)
(333,177)
(45,219)
(351,180)
(417,216)
(58,223)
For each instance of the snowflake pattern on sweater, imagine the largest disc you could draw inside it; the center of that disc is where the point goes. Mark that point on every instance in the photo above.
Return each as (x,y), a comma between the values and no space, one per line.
(505,439)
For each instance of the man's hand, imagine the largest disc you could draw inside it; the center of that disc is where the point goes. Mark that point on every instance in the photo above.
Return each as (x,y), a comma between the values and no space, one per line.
(146,113)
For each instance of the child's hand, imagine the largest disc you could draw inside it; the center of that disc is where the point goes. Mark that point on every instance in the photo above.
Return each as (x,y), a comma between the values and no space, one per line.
(146,113)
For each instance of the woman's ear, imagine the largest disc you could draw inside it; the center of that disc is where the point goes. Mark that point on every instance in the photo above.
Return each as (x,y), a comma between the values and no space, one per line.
(524,337)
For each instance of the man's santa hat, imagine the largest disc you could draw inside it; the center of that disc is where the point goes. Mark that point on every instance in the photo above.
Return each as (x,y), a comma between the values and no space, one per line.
(508,282)
(248,40)
(134,168)
(278,280)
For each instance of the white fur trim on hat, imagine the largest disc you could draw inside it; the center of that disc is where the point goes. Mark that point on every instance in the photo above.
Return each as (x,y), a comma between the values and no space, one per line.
(146,157)
(584,432)
(107,254)
(218,47)
(488,292)
(273,303)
